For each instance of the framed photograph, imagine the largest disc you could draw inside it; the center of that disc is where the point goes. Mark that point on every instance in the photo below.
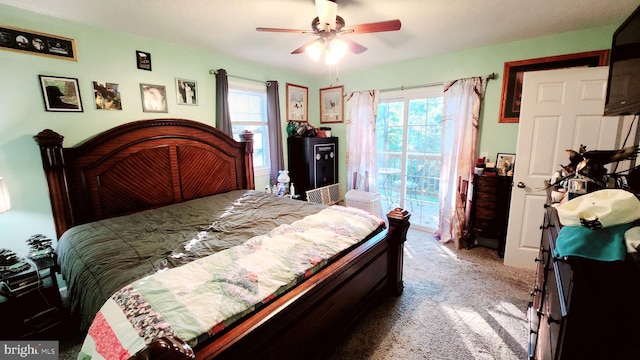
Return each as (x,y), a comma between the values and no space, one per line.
(154,98)
(297,103)
(106,96)
(143,60)
(37,43)
(331,105)
(60,94)
(186,92)
(505,163)
(514,72)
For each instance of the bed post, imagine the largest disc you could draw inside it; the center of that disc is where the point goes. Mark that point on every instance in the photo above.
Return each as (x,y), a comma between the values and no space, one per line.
(398,227)
(50,143)
(247,138)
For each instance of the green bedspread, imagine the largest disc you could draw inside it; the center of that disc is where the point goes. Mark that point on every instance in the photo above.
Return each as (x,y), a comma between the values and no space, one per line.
(197,300)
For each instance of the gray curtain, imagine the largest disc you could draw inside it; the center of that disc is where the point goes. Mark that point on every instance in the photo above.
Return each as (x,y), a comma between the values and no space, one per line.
(223,117)
(275,131)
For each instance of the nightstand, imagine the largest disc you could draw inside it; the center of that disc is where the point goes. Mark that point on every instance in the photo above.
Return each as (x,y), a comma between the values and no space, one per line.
(30,301)
(489,210)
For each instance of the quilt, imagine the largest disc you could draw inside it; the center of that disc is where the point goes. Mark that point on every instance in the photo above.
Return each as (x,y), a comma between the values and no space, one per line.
(202,298)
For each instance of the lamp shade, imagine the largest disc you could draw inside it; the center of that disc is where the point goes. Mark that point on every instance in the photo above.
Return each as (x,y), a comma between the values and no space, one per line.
(5,202)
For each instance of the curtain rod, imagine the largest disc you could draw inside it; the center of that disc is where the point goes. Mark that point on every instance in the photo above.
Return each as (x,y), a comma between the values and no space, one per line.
(490,77)
(213,72)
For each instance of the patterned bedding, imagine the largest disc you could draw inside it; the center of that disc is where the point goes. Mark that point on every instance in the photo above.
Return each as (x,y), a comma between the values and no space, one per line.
(198,300)
(99,258)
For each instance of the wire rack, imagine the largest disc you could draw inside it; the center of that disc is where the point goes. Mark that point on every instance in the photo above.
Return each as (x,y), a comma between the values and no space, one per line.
(329,195)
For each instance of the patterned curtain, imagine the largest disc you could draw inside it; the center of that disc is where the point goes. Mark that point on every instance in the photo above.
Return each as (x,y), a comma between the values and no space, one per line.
(223,117)
(460,121)
(275,130)
(361,140)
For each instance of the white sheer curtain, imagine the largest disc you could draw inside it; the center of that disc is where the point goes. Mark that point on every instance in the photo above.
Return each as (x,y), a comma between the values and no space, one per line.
(361,140)
(461,118)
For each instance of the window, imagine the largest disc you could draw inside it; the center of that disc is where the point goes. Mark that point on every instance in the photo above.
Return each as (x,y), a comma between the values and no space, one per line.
(248,109)
(409,132)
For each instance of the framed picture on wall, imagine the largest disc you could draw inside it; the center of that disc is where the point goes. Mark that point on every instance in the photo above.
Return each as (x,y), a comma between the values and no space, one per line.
(331,105)
(37,43)
(106,96)
(60,94)
(297,103)
(154,98)
(143,60)
(514,73)
(186,92)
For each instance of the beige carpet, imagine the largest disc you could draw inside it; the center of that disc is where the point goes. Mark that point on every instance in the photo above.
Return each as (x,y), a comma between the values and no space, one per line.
(457,304)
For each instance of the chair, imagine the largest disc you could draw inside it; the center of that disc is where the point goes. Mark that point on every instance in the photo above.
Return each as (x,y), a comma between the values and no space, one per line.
(328,195)
(413,186)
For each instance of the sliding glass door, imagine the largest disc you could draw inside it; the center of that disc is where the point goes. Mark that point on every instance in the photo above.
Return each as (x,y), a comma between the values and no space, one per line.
(409,132)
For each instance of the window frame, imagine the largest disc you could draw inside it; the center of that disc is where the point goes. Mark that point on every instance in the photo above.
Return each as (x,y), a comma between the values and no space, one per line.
(255,88)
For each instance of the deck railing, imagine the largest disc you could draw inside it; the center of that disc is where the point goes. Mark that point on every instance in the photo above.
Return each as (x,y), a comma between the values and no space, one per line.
(422,175)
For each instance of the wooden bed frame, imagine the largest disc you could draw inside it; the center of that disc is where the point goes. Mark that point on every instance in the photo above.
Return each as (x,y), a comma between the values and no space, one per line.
(151,163)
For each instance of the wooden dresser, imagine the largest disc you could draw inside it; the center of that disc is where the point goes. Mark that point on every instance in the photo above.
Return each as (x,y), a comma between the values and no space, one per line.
(490,209)
(580,308)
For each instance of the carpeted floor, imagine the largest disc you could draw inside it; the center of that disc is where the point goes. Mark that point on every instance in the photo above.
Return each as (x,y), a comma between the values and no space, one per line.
(457,304)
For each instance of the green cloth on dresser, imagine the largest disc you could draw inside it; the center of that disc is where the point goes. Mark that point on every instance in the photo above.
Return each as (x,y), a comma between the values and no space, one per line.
(605,244)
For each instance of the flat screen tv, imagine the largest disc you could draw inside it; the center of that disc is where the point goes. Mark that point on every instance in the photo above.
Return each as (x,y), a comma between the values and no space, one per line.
(623,87)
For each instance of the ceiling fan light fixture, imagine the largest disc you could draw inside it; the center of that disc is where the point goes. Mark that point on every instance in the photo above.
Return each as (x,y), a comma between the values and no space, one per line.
(335,50)
(314,50)
(327,11)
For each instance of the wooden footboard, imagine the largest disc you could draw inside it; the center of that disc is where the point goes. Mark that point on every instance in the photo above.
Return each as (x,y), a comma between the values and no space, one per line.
(311,317)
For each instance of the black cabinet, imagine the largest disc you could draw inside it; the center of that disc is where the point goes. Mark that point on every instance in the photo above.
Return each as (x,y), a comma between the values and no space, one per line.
(30,301)
(312,162)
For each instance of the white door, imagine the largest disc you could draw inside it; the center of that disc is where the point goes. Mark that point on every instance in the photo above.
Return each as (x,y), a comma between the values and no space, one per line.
(561,109)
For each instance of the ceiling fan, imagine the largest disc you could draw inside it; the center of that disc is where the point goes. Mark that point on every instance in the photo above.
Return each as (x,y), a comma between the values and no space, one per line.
(329,27)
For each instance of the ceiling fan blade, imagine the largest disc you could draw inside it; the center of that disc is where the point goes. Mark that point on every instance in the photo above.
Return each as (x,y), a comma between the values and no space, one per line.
(390,25)
(354,47)
(302,48)
(327,11)
(284,30)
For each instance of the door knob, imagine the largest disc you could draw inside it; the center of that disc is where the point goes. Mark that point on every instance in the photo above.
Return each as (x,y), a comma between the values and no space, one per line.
(521,185)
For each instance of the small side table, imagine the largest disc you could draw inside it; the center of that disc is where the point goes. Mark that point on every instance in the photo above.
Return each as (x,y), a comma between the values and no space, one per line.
(30,300)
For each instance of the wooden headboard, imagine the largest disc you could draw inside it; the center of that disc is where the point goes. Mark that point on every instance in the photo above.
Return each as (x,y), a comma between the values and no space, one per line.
(141,165)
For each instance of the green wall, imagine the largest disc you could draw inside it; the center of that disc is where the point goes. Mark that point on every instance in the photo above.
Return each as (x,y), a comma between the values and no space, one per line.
(110,56)
(494,137)
(106,57)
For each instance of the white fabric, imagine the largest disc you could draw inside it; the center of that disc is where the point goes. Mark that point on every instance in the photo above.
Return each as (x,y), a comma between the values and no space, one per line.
(609,206)
(361,140)
(632,239)
(460,121)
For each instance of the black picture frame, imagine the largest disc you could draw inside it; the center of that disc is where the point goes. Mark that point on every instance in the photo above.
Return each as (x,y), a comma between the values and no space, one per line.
(60,94)
(37,43)
(514,71)
(143,60)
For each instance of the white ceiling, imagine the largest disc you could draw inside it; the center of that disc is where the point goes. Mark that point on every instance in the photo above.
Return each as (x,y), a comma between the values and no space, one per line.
(429,27)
